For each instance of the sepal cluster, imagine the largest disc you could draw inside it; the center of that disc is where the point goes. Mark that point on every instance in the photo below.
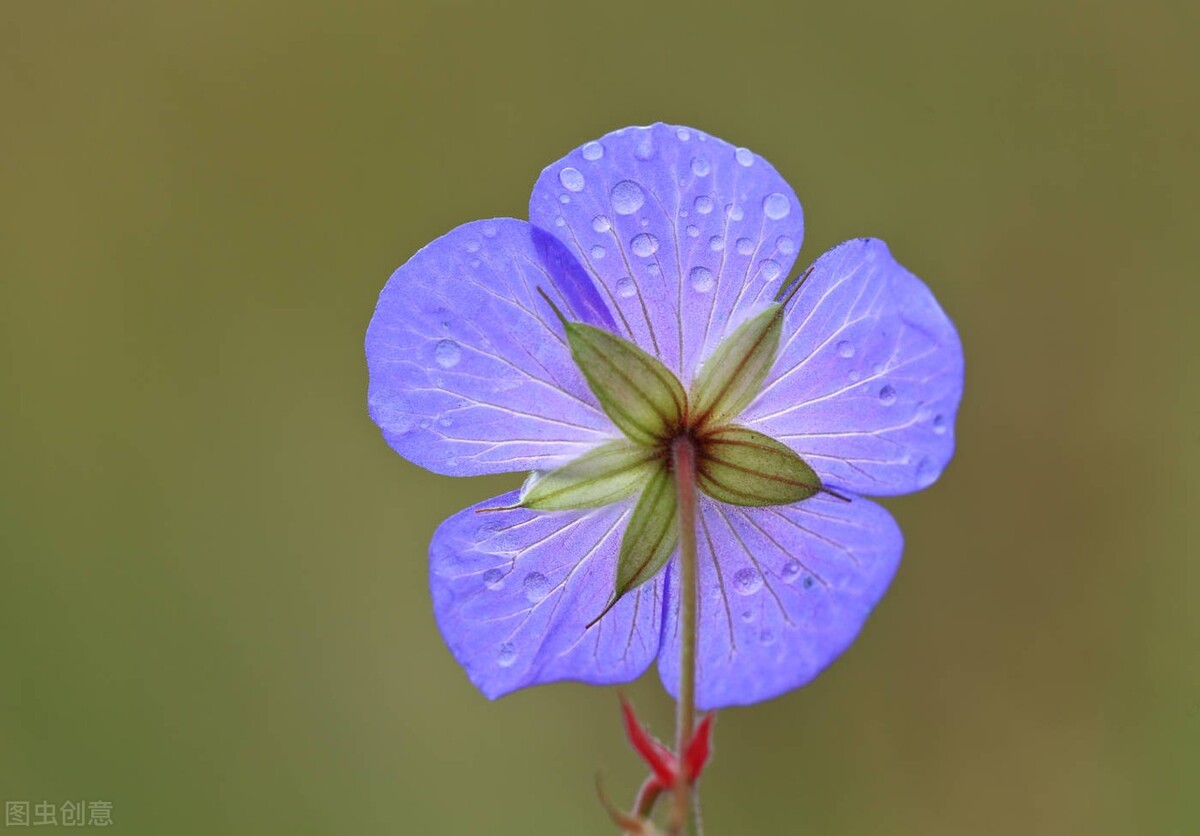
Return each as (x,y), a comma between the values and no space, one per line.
(648,404)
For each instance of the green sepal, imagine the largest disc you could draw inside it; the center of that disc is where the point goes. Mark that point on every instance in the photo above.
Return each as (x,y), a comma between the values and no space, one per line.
(650,537)
(732,377)
(638,393)
(743,467)
(601,476)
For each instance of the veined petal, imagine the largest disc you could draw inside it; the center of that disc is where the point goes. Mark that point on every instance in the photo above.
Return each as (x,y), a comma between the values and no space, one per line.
(783,591)
(470,372)
(514,590)
(685,234)
(868,376)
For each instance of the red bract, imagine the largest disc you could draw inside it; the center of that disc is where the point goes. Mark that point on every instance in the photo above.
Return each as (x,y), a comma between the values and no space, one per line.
(662,761)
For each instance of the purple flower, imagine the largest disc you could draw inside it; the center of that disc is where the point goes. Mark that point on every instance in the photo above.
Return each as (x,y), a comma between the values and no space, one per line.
(680,244)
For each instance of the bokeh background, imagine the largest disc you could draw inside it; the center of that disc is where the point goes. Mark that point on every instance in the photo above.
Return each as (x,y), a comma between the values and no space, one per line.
(213,607)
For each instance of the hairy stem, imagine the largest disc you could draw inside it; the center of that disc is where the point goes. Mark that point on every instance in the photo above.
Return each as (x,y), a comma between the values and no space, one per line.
(643,805)
(683,454)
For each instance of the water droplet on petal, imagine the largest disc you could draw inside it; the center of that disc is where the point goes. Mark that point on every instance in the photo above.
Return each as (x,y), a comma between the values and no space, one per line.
(808,581)
(734,212)
(489,231)
(560,221)
(644,245)
(770,269)
(593,151)
(700,167)
(627,197)
(776,206)
(564,198)
(766,637)
(447,353)
(747,616)
(703,204)
(716,243)
(887,395)
(927,472)
(744,156)
(644,149)
(507,655)
(790,571)
(626,287)
(702,279)
(601,223)
(939,425)
(536,586)
(745,246)
(392,415)
(693,230)
(854,376)
(597,253)
(683,134)
(785,245)
(571,178)
(472,245)
(493,578)
(877,368)
(747,581)
(845,348)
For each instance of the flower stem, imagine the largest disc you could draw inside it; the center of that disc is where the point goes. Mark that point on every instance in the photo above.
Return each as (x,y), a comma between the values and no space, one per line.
(683,454)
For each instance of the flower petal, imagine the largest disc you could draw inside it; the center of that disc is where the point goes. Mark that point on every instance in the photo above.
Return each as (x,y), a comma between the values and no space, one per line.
(469,370)
(685,234)
(513,591)
(869,376)
(783,591)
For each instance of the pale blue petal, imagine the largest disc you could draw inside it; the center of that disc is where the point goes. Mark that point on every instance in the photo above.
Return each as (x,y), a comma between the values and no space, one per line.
(684,233)
(783,591)
(868,377)
(513,592)
(469,370)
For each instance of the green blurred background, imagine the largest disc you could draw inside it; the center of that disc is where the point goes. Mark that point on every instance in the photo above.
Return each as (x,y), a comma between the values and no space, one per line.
(213,607)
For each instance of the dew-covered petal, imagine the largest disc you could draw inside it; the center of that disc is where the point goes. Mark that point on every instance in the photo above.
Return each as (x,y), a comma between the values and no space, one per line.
(514,590)
(685,234)
(470,372)
(783,591)
(868,377)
